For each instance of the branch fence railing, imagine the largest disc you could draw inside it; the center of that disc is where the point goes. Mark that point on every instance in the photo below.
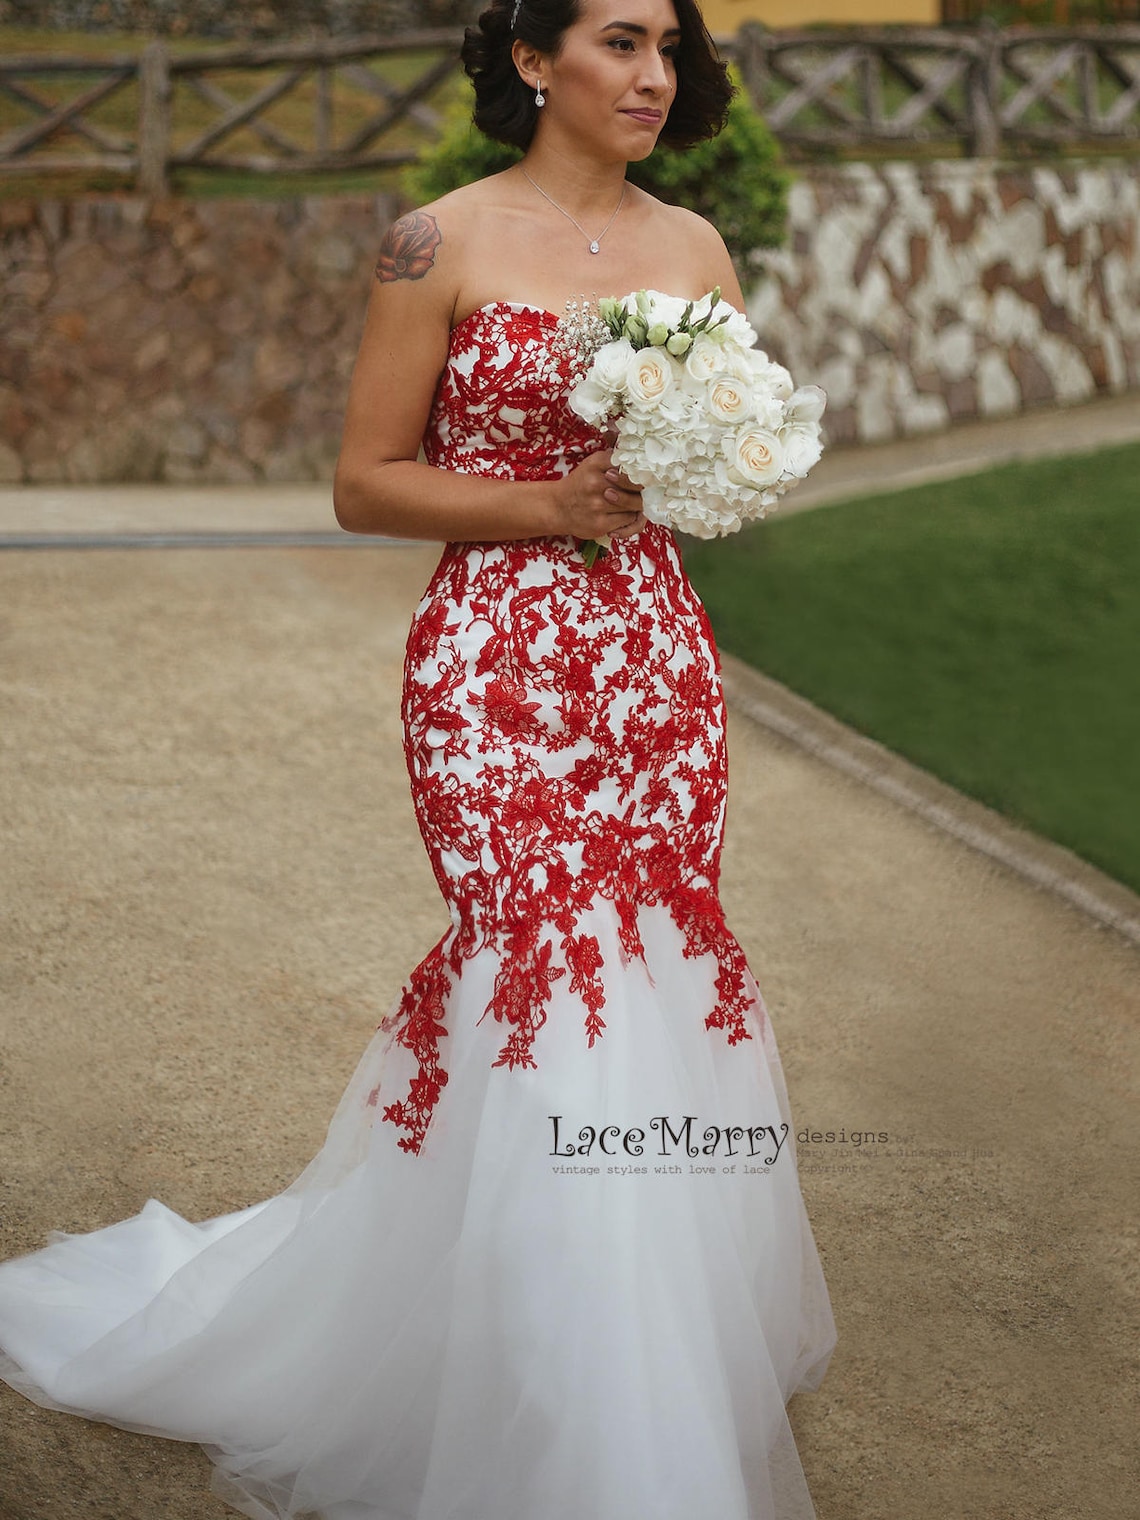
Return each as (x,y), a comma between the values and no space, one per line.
(375,101)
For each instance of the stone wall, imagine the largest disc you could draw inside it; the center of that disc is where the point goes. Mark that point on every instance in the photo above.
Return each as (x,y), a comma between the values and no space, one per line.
(206,340)
(920,295)
(213,340)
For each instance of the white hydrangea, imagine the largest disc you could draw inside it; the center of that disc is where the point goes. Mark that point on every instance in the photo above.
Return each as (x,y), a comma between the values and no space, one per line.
(711,428)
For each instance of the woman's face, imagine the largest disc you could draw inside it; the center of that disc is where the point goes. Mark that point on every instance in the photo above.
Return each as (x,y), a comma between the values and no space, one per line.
(611,84)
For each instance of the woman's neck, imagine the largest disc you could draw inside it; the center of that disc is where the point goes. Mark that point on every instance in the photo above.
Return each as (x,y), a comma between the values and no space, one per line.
(584,187)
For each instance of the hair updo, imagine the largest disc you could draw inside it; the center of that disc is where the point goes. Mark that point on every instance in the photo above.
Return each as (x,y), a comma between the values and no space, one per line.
(504,105)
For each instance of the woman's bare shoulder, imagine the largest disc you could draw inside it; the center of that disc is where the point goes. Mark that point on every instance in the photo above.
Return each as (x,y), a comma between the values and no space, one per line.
(680,224)
(694,238)
(455,212)
(430,243)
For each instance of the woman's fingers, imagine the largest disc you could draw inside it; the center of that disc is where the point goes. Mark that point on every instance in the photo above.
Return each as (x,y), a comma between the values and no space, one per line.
(625,494)
(620,495)
(621,491)
(615,477)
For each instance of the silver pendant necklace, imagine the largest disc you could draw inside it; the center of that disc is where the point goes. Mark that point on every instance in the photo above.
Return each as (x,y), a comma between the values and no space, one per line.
(593,243)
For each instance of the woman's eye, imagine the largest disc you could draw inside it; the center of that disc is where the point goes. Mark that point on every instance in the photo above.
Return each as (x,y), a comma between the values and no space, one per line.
(627,45)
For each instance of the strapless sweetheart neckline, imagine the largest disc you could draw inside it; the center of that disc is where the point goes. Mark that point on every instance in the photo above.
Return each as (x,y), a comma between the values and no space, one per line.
(487,306)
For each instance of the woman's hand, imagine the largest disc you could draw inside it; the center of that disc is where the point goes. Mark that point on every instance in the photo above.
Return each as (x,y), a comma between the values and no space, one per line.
(596,499)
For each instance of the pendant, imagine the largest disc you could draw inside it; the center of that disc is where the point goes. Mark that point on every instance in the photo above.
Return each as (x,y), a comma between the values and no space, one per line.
(594,248)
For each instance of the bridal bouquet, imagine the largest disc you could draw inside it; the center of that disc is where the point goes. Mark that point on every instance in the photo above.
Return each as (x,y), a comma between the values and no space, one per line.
(707,425)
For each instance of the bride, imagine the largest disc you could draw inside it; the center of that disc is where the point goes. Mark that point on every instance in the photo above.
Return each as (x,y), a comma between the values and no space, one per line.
(552,1262)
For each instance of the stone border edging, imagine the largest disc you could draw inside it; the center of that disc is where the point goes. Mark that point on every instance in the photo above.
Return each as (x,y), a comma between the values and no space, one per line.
(1036,859)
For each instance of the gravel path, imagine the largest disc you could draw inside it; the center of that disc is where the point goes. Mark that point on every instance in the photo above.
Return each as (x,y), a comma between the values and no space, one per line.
(212,887)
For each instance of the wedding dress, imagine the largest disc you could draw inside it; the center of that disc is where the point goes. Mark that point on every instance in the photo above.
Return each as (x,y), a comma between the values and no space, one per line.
(552,1262)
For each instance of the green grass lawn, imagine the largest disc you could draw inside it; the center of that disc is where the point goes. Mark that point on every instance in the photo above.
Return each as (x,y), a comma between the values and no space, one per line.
(986,628)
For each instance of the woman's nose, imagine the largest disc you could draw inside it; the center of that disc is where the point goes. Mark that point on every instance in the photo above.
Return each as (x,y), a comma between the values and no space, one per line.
(655,74)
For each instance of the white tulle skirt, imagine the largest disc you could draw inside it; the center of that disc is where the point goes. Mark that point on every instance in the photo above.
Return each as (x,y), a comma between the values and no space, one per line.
(485,1330)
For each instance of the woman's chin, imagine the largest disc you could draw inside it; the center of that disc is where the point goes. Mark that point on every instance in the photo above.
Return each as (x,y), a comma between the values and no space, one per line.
(636,151)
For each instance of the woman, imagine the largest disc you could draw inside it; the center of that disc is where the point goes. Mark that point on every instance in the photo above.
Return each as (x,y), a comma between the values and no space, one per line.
(554,1262)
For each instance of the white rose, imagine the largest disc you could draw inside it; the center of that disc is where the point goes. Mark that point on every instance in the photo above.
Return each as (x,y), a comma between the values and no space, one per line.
(806,404)
(649,375)
(802,448)
(756,455)
(727,399)
(611,365)
(704,361)
(777,379)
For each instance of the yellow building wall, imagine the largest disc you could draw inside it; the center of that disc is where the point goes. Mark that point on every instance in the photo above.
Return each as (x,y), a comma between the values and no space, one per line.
(725,16)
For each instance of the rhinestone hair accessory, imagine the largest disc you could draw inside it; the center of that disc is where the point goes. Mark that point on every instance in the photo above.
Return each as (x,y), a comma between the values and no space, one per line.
(515,14)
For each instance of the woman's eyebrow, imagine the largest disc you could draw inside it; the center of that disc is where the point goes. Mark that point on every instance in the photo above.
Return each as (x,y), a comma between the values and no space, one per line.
(641,31)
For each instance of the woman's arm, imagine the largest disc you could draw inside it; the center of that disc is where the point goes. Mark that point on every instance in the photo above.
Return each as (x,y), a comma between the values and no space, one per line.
(379,485)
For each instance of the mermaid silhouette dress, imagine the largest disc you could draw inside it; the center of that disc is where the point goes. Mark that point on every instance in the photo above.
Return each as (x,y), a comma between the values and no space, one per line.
(552,1262)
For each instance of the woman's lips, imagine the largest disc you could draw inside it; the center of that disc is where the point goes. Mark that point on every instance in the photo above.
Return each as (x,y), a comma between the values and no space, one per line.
(650,118)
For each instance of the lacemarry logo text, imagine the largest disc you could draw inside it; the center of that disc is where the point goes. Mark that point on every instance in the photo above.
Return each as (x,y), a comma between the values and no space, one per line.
(755,1140)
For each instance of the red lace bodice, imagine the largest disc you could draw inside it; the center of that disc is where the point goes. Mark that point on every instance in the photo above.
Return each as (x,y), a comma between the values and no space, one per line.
(564,731)
(500,407)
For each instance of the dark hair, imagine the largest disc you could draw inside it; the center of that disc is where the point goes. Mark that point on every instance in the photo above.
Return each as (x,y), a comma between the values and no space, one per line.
(505,108)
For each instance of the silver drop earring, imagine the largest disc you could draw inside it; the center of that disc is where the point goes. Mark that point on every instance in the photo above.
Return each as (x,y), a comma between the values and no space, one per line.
(539,97)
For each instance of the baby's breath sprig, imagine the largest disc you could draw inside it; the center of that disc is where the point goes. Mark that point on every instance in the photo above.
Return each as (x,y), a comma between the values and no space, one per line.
(579,334)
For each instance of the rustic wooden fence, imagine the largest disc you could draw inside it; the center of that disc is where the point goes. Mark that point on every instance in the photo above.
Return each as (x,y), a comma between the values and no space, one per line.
(325,106)
(367,102)
(981,91)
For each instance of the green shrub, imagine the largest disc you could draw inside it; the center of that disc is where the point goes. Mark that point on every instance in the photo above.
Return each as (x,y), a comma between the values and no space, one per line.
(736,180)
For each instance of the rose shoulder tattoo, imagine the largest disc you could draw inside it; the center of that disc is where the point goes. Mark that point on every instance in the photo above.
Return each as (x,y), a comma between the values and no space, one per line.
(408,249)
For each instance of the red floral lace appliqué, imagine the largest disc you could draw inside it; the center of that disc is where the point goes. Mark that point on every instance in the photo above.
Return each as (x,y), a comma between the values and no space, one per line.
(564,732)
